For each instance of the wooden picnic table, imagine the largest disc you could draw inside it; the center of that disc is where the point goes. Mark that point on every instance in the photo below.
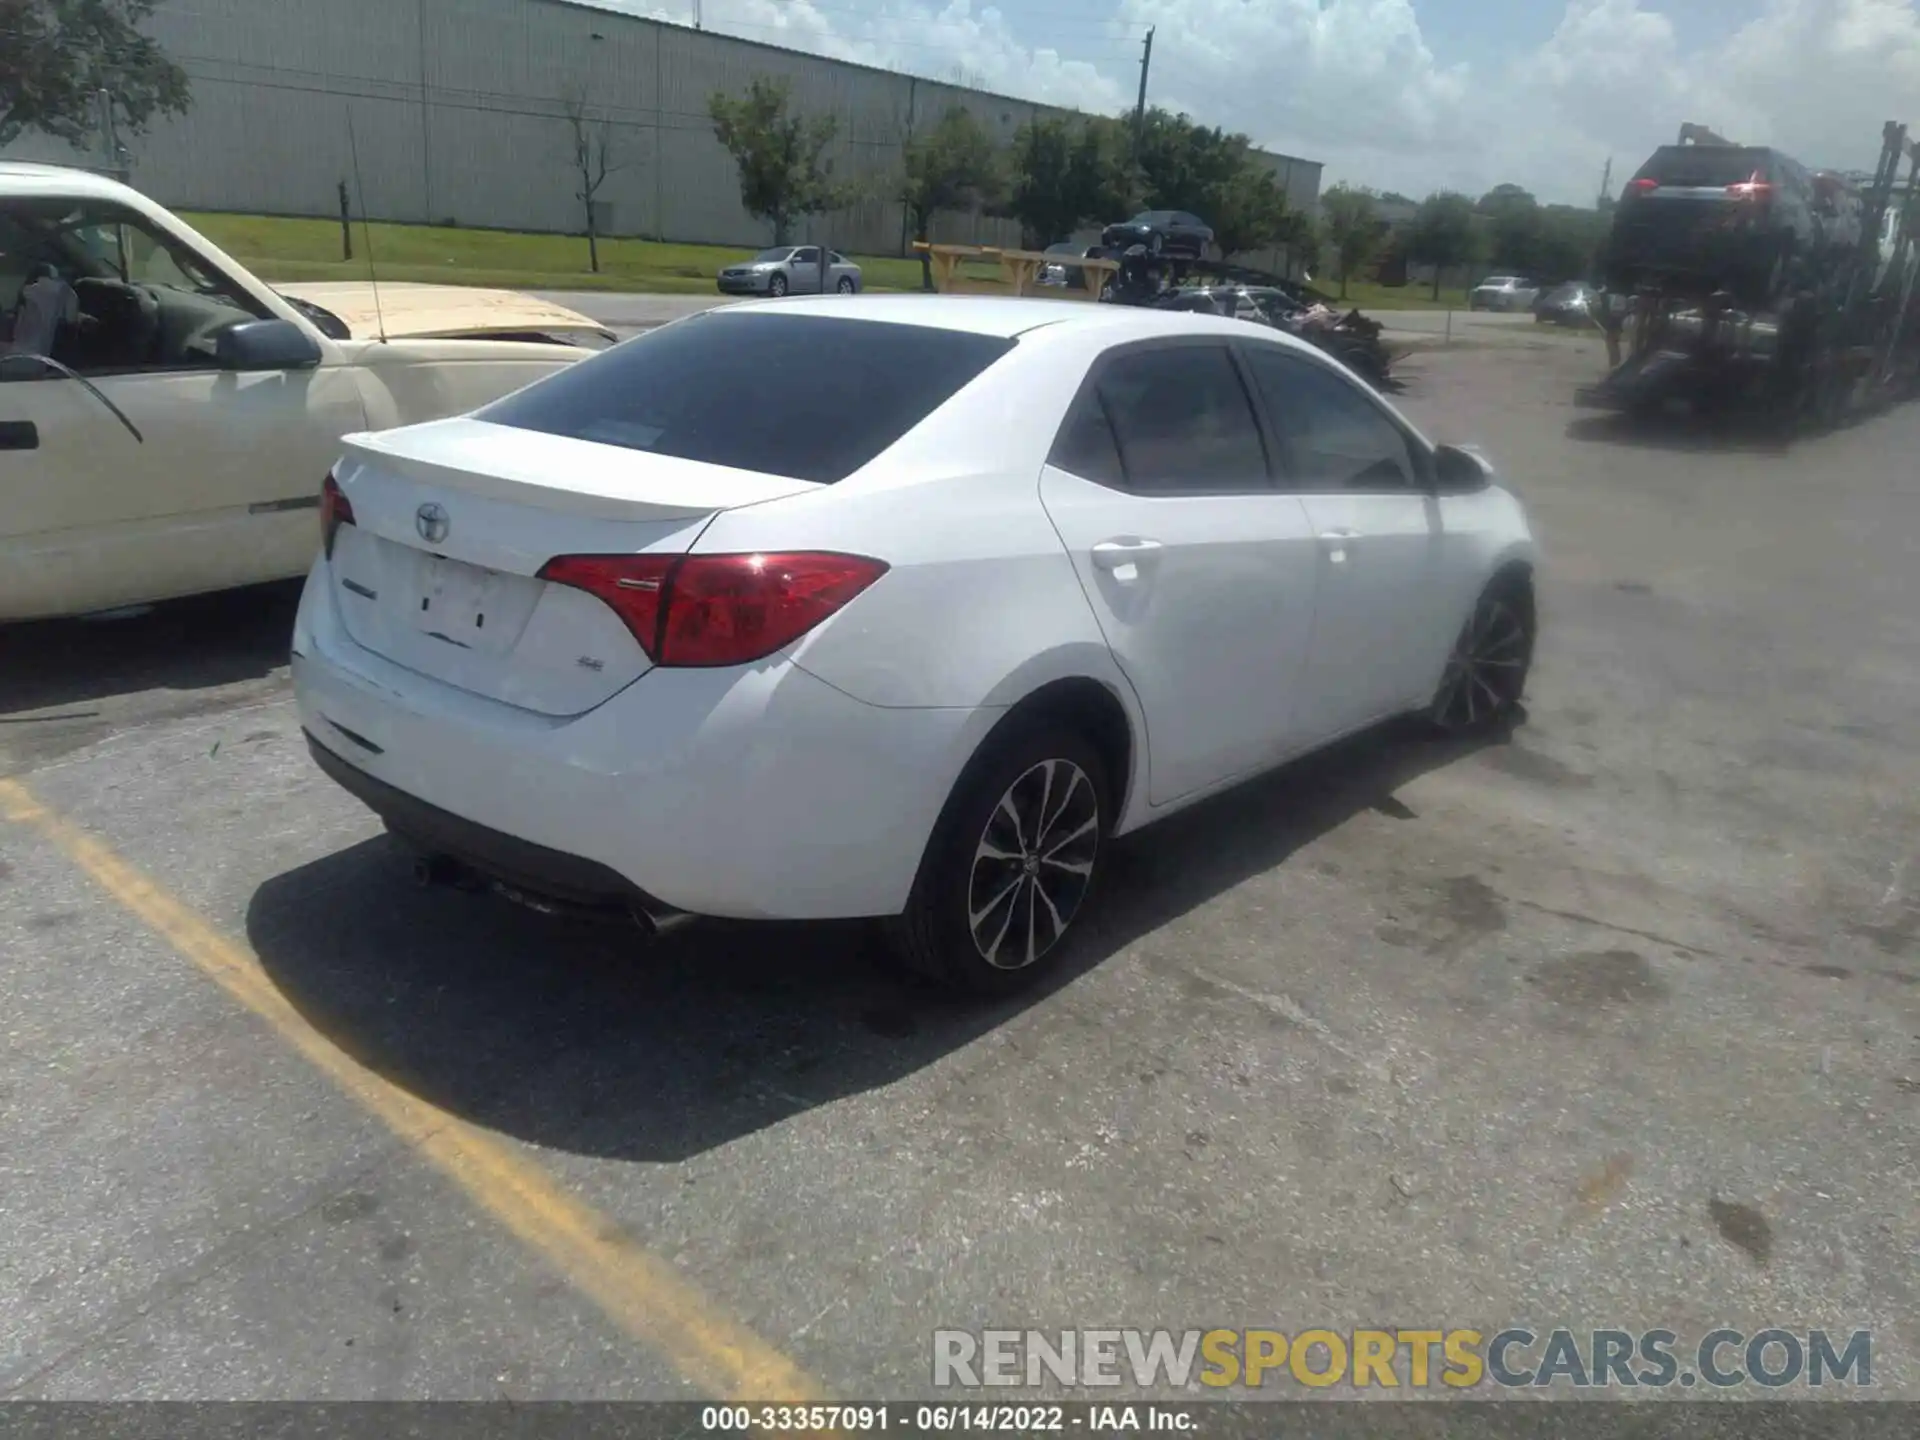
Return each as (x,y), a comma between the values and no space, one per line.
(1019,271)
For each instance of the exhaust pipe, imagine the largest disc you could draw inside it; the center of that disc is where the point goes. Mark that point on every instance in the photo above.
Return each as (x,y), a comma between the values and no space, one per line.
(661,922)
(433,870)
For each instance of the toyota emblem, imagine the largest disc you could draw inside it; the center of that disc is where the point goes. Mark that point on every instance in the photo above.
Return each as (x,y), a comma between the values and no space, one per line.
(432,523)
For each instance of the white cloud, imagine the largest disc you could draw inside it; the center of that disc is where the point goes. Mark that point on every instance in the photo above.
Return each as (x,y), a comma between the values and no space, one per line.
(1355,84)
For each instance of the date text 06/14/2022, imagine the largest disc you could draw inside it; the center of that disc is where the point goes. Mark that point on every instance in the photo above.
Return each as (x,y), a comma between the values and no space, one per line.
(914,1419)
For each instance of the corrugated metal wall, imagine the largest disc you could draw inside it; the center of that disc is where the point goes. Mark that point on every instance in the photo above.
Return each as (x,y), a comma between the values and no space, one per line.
(458,110)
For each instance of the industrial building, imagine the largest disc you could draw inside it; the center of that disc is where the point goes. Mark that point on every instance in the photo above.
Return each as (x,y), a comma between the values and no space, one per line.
(458,112)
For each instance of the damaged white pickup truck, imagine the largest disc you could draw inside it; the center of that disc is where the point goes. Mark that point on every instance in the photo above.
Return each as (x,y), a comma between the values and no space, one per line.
(166,418)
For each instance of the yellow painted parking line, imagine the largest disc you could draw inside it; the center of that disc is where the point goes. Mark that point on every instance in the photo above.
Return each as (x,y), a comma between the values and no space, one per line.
(640,1293)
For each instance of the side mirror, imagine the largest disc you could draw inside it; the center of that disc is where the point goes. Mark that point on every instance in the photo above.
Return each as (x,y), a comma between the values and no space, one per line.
(266,345)
(1460,472)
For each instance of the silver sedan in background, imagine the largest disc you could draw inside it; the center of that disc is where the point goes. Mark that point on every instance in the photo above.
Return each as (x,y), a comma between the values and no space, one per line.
(790,270)
(1503,293)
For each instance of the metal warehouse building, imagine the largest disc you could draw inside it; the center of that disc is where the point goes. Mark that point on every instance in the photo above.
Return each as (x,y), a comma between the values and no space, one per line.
(458,110)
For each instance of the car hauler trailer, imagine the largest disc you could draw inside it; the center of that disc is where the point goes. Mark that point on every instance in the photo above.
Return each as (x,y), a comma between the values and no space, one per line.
(1812,342)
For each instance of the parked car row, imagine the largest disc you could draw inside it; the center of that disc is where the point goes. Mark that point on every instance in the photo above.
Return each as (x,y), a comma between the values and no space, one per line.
(1350,338)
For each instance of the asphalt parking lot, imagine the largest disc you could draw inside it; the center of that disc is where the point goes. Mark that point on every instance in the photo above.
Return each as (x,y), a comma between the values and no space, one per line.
(1614,1024)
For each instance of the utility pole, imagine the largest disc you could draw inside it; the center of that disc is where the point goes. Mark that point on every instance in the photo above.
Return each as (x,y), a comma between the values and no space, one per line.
(696,14)
(1606,182)
(1140,105)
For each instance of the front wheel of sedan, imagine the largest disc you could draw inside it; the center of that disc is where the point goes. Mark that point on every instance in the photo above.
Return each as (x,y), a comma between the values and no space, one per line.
(1012,865)
(845,287)
(777,286)
(1486,672)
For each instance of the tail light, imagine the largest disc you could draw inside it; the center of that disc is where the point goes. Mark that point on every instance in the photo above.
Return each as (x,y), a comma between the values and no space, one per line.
(1643,186)
(716,610)
(335,511)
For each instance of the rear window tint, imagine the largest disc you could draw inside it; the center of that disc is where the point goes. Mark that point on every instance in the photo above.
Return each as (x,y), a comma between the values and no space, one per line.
(1706,165)
(806,397)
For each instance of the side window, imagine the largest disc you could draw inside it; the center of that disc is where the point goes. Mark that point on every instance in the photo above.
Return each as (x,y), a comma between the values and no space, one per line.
(1183,420)
(148,262)
(1086,445)
(1335,437)
(808,256)
(105,293)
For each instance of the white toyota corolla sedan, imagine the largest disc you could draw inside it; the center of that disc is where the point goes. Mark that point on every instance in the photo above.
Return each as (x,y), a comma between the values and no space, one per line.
(900,607)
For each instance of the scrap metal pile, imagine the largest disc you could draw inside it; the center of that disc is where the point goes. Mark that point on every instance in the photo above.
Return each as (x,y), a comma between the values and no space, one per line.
(1151,279)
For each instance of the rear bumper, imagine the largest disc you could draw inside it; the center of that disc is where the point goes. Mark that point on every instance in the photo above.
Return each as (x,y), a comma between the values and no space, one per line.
(518,864)
(758,792)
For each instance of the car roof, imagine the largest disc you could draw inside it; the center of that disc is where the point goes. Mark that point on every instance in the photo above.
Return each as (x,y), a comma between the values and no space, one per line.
(25,177)
(1010,316)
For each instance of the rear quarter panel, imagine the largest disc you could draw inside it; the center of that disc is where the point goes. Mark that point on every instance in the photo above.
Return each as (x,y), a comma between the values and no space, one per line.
(981,605)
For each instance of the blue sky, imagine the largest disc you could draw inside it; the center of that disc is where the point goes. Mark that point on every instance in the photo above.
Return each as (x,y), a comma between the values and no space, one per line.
(1411,95)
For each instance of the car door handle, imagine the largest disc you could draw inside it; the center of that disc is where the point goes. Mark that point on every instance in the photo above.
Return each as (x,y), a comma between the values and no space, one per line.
(1112,554)
(19,435)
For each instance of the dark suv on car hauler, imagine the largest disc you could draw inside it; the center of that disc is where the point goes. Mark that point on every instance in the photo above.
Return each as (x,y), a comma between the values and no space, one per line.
(1705,218)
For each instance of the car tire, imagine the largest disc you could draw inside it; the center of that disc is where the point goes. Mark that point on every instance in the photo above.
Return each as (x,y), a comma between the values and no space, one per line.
(845,287)
(1486,672)
(777,286)
(1006,861)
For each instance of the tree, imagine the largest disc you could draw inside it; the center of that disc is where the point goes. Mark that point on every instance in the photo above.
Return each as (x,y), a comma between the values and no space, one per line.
(1184,166)
(57,55)
(1250,212)
(1443,234)
(1217,176)
(1065,173)
(1105,181)
(1569,242)
(784,171)
(1351,228)
(1514,228)
(951,167)
(592,162)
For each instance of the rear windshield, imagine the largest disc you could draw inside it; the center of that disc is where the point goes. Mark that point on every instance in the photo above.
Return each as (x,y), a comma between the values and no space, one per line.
(807,397)
(1705,165)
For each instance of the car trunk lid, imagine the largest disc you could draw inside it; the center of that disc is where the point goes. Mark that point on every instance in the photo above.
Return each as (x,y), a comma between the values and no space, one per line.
(452,522)
(1689,208)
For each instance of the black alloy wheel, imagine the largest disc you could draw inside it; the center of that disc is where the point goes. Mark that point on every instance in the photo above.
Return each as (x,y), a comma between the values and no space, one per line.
(1012,864)
(1486,673)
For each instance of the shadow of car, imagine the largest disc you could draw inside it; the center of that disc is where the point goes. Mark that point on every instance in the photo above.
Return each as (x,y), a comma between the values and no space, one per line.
(595,1041)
